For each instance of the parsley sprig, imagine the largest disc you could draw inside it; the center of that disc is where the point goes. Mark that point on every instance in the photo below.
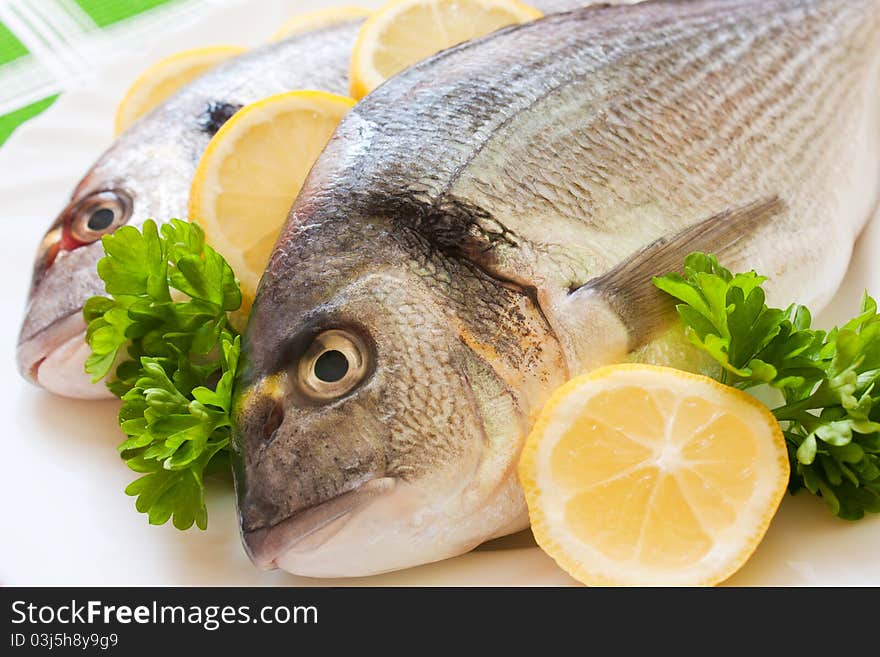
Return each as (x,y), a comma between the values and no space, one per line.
(165,322)
(831,414)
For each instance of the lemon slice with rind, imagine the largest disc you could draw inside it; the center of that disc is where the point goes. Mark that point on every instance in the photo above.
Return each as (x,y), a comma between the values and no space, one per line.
(165,77)
(643,475)
(253,170)
(404,32)
(315,20)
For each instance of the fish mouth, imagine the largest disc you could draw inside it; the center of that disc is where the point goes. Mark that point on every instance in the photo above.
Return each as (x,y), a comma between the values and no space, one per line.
(310,528)
(36,348)
(54,359)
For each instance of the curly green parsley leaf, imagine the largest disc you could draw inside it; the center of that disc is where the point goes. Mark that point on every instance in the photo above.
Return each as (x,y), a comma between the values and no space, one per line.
(831,414)
(165,328)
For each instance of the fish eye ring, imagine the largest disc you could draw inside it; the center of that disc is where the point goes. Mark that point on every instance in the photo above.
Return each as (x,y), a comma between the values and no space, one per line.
(98,214)
(333,365)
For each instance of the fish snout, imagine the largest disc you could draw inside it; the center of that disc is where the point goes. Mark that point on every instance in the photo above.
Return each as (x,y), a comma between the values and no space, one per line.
(298,475)
(309,528)
(51,350)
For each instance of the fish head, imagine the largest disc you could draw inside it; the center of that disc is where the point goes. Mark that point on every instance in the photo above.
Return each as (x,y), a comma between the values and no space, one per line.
(130,183)
(386,389)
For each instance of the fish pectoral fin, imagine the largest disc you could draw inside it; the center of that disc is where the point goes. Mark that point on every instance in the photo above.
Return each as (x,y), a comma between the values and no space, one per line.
(628,287)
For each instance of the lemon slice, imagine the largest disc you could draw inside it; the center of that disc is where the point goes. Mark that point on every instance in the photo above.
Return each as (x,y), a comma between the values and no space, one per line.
(643,475)
(252,171)
(166,76)
(316,20)
(405,31)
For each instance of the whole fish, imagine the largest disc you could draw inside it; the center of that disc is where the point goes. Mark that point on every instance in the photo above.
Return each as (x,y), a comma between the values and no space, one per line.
(147,173)
(485,226)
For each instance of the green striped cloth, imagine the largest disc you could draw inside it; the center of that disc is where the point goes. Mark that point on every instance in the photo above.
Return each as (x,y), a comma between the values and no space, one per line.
(47,46)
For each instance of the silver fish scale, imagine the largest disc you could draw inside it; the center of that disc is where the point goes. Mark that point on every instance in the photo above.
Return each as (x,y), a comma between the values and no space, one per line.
(683,118)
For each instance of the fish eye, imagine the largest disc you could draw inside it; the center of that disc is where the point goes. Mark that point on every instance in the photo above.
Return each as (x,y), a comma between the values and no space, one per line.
(335,363)
(99,214)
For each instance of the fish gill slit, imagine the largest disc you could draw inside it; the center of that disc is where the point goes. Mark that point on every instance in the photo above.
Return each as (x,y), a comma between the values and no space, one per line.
(472,397)
(530,292)
(458,248)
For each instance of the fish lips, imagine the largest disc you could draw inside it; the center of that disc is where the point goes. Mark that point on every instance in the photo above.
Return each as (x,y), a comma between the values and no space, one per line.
(33,350)
(51,349)
(54,359)
(309,528)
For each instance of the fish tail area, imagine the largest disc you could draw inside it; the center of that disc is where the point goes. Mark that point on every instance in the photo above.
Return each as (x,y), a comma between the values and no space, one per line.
(628,288)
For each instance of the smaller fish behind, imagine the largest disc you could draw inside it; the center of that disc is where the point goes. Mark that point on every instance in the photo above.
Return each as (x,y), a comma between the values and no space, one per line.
(146,174)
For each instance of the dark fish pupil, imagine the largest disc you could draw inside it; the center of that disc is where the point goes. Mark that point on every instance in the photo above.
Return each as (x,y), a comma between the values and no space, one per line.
(331,366)
(101,219)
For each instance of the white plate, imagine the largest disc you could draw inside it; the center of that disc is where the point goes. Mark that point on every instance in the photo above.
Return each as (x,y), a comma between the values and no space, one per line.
(66,520)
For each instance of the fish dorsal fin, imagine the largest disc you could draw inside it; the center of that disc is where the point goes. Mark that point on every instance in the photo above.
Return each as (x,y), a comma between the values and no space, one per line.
(628,287)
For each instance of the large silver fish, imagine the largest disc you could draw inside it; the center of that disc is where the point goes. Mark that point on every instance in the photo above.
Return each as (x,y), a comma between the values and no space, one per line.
(145,174)
(484,227)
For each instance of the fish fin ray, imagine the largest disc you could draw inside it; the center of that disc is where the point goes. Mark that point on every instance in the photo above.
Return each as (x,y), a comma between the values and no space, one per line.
(628,287)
